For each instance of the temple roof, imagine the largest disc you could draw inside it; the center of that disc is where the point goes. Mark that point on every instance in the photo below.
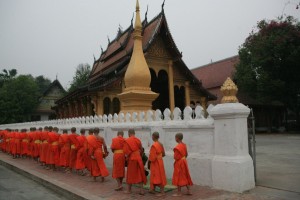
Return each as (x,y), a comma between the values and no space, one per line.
(54,83)
(113,62)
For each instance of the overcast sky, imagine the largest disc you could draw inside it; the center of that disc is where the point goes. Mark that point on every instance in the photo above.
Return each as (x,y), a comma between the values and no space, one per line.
(51,37)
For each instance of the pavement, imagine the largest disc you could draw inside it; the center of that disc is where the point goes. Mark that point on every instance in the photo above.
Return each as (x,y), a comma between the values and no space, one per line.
(73,186)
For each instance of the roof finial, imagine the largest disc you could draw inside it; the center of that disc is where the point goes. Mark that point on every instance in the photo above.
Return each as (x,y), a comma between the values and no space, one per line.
(56,76)
(146,14)
(138,23)
(94,57)
(101,49)
(132,19)
(163,5)
(108,39)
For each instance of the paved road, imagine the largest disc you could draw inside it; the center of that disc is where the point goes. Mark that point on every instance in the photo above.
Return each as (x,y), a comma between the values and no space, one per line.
(278,161)
(17,187)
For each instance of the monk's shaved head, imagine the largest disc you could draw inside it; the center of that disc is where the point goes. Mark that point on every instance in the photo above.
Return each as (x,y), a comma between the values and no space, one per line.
(96,130)
(82,131)
(155,135)
(131,132)
(179,136)
(120,133)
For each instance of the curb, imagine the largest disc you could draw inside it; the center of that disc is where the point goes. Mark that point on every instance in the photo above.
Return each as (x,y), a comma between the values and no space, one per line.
(55,186)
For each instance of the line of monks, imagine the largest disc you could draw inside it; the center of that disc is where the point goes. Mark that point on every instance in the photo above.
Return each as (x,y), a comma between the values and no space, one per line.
(83,153)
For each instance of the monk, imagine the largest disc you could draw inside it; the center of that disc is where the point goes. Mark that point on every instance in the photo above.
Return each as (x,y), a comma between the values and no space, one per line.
(135,168)
(16,146)
(53,149)
(64,144)
(96,143)
(118,171)
(81,153)
(73,150)
(157,169)
(44,146)
(24,138)
(89,159)
(31,142)
(181,174)
(36,144)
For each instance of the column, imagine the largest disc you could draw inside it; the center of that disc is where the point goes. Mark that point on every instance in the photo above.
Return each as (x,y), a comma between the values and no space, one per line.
(187,93)
(171,86)
(232,166)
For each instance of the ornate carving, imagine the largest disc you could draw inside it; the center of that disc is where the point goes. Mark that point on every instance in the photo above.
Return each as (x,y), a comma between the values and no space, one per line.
(229,90)
(158,49)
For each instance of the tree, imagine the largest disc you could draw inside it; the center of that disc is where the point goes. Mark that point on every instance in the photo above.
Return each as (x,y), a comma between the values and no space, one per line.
(81,76)
(7,75)
(42,83)
(19,97)
(269,67)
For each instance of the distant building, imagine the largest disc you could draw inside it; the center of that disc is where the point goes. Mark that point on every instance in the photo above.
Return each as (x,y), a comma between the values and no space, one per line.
(43,112)
(268,117)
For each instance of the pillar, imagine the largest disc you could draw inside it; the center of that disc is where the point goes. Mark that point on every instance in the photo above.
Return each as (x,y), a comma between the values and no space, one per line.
(232,166)
(171,86)
(187,93)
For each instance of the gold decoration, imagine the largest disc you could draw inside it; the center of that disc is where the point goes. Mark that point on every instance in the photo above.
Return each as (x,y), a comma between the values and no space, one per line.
(229,90)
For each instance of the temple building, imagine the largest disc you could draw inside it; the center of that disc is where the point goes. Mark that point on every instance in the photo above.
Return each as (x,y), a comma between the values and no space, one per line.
(44,110)
(140,69)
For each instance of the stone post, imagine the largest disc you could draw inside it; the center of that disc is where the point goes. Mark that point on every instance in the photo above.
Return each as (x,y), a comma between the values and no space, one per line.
(232,166)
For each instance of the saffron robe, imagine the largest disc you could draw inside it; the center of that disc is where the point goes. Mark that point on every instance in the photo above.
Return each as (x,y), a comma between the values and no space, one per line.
(44,146)
(98,167)
(24,138)
(181,174)
(64,156)
(53,148)
(135,168)
(117,146)
(36,143)
(81,153)
(73,150)
(16,145)
(157,169)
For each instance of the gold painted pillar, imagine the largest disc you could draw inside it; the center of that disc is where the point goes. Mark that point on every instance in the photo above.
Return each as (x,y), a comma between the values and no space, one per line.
(203,103)
(171,86)
(187,93)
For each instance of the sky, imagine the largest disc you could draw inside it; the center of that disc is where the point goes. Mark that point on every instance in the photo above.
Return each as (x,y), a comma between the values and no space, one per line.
(52,37)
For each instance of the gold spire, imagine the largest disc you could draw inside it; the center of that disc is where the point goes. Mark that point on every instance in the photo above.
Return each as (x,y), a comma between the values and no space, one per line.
(229,90)
(137,95)
(137,74)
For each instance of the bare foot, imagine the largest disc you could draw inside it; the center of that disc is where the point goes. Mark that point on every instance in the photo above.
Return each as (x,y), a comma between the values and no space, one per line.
(119,188)
(188,193)
(141,193)
(151,191)
(102,179)
(160,194)
(176,195)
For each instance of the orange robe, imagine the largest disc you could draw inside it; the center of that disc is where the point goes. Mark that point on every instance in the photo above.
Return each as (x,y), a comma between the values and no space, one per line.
(157,169)
(135,167)
(44,146)
(36,144)
(53,148)
(64,143)
(98,167)
(117,146)
(81,153)
(31,143)
(24,143)
(16,144)
(181,174)
(73,150)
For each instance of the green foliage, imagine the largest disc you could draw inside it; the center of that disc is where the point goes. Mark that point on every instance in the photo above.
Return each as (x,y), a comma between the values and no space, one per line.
(19,97)
(42,83)
(7,75)
(269,68)
(81,76)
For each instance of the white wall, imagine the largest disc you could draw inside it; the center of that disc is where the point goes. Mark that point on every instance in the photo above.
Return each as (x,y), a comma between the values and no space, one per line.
(218,155)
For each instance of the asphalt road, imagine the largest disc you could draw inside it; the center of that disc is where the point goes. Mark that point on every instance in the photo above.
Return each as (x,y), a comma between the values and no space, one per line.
(278,161)
(17,187)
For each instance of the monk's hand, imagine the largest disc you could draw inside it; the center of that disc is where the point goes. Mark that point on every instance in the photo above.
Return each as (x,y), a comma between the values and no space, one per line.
(93,157)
